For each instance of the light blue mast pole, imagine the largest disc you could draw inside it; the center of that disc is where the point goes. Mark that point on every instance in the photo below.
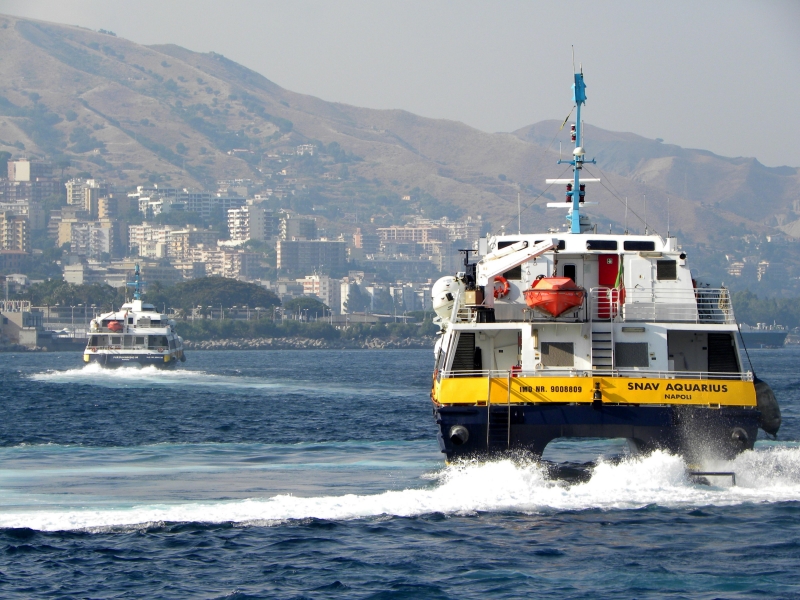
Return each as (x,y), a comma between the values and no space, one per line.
(579,97)
(136,284)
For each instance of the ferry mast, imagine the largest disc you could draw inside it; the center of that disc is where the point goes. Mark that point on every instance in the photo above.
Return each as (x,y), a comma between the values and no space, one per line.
(575,189)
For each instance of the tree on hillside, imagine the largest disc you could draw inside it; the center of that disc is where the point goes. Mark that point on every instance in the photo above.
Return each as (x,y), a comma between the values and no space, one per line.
(4,157)
(58,291)
(215,291)
(314,306)
(357,300)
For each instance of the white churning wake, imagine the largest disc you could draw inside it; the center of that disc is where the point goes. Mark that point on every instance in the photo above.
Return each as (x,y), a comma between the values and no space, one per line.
(128,377)
(763,476)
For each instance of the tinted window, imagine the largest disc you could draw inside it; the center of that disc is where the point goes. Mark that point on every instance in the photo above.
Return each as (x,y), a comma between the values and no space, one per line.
(601,244)
(666,269)
(516,272)
(561,244)
(570,271)
(639,246)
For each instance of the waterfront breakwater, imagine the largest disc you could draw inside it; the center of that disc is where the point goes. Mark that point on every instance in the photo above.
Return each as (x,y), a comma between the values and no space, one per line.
(281,343)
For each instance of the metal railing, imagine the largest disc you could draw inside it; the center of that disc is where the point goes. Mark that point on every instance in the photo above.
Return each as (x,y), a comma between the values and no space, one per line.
(581,373)
(696,305)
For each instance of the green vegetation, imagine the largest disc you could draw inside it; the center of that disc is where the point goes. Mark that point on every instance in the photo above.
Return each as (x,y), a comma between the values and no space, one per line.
(751,309)
(211,291)
(57,291)
(301,304)
(207,329)
(84,142)
(38,122)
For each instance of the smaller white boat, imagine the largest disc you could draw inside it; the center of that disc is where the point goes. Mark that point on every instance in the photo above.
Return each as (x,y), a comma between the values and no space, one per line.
(135,334)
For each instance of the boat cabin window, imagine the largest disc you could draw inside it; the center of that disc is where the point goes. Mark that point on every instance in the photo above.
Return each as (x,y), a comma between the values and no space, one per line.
(571,271)
(666,270)
(562,245)
(639,246)
(158,341)
(130,320)
(516,272)
(601,244)
(140,340)
(98,340)
(116,340)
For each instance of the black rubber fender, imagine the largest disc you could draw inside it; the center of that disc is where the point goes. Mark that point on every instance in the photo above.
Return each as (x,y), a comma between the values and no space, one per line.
(768,406)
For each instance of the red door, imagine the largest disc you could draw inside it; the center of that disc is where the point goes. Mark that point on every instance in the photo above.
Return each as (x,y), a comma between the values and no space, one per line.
(607,277)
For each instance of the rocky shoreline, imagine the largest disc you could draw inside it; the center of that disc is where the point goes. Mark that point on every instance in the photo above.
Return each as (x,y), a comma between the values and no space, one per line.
(283,343)
(298,343)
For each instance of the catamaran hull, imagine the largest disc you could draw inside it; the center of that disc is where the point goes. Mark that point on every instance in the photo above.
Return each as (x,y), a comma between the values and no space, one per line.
(132,360)
(694,432)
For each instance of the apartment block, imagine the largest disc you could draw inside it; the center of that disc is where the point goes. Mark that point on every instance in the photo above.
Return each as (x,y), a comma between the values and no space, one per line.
(146,238)
(225,262)
(14,232)
(151,198)
(298,228)
(419,234)
(87,193)
(30,209)
(323,287)
(92,239)
(265,224)
(310,255)
(24,169)
(239,224)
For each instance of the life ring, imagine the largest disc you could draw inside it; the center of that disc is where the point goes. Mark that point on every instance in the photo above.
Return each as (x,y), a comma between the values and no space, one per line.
(504,288)
(161,349)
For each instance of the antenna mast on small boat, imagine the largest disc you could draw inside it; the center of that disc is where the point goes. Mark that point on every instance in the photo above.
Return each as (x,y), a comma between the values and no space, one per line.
(626,215)
(645,213)
(136,284)
(667,217)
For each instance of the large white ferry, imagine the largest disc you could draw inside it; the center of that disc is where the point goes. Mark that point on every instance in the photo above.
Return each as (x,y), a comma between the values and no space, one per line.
(136,334)
(580,334)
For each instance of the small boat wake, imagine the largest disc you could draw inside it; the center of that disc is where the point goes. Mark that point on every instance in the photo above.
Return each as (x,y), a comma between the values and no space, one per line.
(767,475)
(95,374)
(148,376)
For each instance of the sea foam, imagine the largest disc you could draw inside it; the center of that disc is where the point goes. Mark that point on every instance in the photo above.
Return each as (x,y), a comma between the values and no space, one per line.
(661,479)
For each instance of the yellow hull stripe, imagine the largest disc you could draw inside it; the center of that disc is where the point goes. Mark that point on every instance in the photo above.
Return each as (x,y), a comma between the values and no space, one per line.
(615,390)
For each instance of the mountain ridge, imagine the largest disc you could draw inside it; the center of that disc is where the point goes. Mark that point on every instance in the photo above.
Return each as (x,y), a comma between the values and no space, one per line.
(136,107)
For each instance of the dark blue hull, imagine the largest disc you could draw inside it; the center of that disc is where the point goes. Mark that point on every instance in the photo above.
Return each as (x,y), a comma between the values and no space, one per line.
(131,360)
(691,431)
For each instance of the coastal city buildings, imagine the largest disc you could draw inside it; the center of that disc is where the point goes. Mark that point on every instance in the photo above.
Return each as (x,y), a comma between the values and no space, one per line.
(237,230)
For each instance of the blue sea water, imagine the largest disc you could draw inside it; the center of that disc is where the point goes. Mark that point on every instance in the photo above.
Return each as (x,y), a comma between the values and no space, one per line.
(316,474)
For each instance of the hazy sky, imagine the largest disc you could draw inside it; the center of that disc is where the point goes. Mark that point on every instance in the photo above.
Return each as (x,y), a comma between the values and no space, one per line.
(717,75)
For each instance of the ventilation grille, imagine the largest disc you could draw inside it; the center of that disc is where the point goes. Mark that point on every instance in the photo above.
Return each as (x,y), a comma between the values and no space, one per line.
(558,354)
(628,354)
